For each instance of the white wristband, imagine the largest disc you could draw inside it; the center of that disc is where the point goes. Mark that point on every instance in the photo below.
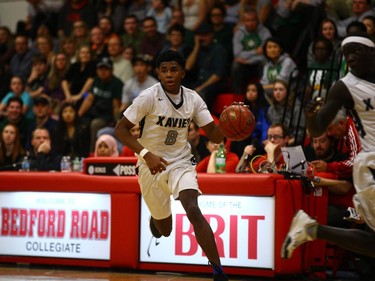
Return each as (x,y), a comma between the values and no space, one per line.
(143,152)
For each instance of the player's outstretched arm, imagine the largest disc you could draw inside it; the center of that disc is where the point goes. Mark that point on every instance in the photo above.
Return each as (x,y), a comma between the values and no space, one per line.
(213,132)
(319,116)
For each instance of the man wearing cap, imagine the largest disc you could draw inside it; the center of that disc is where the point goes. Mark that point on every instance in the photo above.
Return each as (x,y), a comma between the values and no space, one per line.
(42,111)
(101,107)
(209,61)
(355,92)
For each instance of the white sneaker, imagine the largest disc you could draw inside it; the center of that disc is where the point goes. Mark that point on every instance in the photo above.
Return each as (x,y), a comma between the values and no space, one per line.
(297,234)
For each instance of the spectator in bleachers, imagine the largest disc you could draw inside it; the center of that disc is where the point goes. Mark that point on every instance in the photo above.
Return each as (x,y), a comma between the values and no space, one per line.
(323,68)
(42,155)
(248,43)
(42,116)
(44,31)
(278,66)
(80,76)
(272,160)
(97,43)
(255,100)
(153,41)
(128,53)
(16,117)
(369,22)
(343,130)
(72,137)
(139,8)
(338,9)
(232,8)
(175,40)
(356,26)
(17,89)
(286,109)
(263,8)
(72,11)
(223,32)
(198,142)
(113,9)
(207,164)
(162,13)
(209,61)
(80,33)
(20,63)
(142,80)
(195,13)
(122,68)
(101,106)
(178,17)
(340,194)
(328,30)
(11,149)
(106,25)
(44,47)
(6,45)
(4,81)
(69,48)
(294,23)
(133,35)
(360,10)
(106,145)
(43,12)
(38,76)
(53,86)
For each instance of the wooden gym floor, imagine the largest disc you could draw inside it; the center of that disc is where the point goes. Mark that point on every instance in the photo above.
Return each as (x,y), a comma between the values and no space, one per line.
(11,272)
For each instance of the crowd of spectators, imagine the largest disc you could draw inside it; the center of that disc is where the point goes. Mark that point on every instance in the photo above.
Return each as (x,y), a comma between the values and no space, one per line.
(73,66)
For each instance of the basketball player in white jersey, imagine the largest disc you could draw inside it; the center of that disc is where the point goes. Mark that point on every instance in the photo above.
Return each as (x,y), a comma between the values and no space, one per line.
(166,166)
(355,92)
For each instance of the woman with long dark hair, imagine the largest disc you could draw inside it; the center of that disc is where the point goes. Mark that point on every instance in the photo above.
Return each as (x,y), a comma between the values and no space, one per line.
(72,137)
(11,150)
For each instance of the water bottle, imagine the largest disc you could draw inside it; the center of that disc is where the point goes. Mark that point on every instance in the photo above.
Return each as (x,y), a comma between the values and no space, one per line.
(220,160)
(25,166)
(65,164)
(76,165)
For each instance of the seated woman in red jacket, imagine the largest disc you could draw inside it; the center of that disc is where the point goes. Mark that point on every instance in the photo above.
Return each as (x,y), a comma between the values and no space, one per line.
(207,164)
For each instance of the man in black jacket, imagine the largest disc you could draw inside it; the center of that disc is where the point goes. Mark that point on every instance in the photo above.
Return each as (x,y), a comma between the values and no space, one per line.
(42,156)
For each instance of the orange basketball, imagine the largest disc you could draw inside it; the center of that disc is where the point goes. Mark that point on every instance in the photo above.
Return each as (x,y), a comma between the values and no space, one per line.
(237,122)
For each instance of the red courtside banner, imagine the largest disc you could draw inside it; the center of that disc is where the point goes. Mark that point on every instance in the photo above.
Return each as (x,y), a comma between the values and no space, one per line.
(55,224)
(244,228)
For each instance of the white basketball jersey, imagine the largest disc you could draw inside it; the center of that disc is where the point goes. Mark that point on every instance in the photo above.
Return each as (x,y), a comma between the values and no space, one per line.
(164,124)
(363,93)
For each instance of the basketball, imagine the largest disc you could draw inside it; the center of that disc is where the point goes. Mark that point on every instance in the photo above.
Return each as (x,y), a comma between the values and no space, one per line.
(237,122)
